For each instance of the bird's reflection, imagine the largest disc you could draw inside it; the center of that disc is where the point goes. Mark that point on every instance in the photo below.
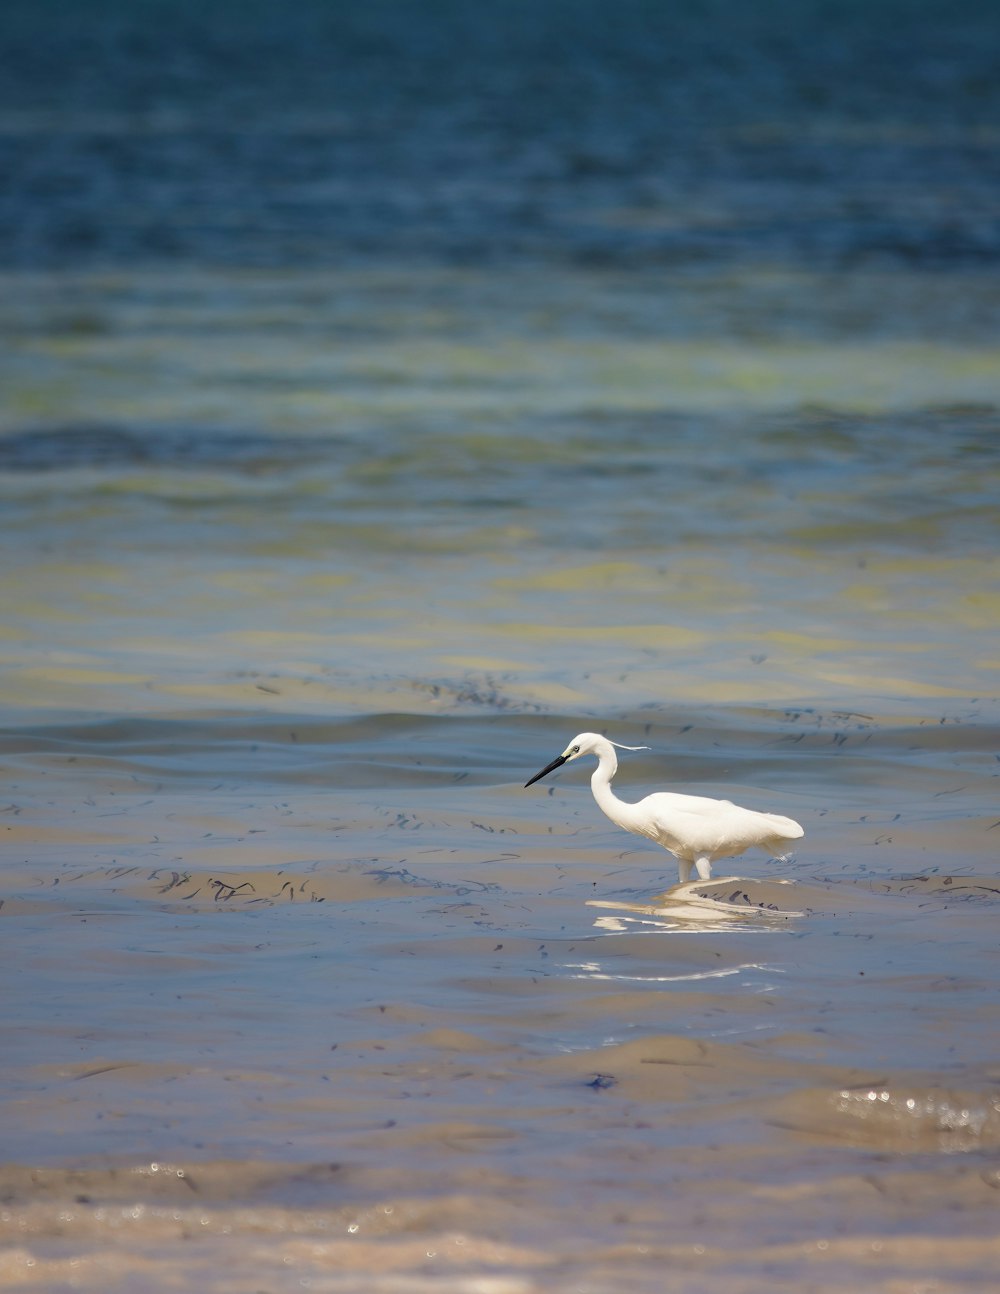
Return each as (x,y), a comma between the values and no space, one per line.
(723,904)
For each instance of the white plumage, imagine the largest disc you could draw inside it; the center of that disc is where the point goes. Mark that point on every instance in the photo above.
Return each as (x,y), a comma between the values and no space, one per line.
(695,829)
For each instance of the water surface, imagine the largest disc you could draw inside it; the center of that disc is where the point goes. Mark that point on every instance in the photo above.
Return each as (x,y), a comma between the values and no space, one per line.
(388,396)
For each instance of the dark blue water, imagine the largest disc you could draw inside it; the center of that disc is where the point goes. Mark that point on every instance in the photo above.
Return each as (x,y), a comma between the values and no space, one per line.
(821,134)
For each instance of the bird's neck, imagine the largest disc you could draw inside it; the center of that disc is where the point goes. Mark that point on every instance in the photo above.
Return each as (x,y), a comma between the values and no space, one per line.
(600,783)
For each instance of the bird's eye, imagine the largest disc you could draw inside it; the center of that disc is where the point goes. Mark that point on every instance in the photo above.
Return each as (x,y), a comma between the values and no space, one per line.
(576,750)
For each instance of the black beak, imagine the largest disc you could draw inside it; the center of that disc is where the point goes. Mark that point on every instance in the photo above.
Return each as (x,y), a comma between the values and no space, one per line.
(556,763)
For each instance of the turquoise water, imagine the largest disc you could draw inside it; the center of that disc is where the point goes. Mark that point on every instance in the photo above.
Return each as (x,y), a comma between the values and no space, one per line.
(413,506)
(387,397)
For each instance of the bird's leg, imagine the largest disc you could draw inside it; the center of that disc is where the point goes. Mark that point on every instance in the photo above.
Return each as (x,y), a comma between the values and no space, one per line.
(704,866)
(683,871)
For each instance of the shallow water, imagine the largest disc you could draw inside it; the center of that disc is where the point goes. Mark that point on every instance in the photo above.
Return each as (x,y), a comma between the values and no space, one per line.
(355,1003)
(386,399)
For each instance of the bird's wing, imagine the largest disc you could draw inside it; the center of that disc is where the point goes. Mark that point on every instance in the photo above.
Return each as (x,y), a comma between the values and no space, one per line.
(696,826)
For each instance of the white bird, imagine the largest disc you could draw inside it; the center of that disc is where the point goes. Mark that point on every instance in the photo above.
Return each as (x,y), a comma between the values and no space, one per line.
(695,829)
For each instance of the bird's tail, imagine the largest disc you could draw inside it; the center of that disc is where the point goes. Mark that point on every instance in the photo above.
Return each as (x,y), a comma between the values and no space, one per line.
(784,828)
(780,832)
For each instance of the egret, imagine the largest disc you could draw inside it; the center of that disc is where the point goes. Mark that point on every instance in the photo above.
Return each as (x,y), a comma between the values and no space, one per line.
(695,829)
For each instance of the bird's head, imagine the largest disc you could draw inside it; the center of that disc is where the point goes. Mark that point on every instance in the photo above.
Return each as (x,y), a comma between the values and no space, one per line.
(585,743)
